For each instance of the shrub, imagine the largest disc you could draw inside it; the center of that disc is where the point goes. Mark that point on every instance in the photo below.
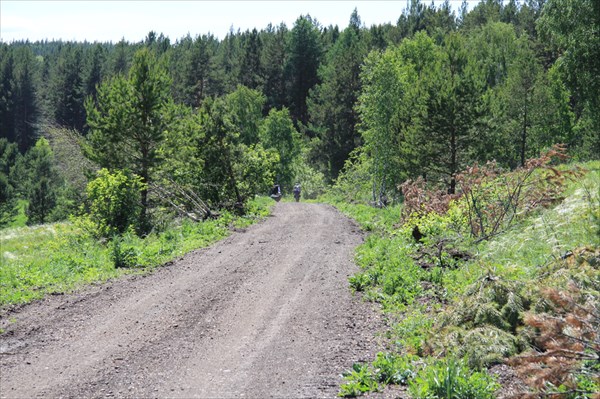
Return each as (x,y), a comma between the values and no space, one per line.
(114,202)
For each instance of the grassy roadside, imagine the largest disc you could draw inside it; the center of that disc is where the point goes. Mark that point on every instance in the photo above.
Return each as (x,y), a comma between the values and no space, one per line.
(459,307)
(59,257)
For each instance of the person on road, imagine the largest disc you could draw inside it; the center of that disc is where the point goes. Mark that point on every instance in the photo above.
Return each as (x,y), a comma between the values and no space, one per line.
(297,190)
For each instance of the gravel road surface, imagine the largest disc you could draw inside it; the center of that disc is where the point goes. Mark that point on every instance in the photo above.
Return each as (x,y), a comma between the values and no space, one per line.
(264,313)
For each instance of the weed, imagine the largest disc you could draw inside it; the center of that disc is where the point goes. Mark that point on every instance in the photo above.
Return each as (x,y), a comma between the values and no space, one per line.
(451,378)
(359,282)
(123,254)
(360,380)
(390,368)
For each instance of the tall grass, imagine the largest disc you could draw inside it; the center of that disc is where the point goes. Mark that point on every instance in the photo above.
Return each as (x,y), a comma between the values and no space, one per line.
(552,233)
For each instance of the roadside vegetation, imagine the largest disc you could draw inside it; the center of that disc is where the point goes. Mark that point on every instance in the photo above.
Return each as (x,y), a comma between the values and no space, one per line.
(505,272)
(60,257)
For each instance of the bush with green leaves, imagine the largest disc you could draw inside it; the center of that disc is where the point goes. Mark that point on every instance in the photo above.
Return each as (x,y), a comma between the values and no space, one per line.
(114,202)
(354,184)
(451,378)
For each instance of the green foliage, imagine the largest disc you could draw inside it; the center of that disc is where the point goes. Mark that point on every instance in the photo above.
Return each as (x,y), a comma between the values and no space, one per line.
(329,102)
(360,380)
(311,180)
(552,233)
(388,94)
(388,368)
(451,378)
(359,282)
(9,157)
(391,368)
(254,170)
(354,184)
(474,309)
(42,183)
(390,272)
(278,132)
(122,252)
(114,202)
(65,87)
(571,28)
(244,115)
(128,121)
(304,56)
(411,330)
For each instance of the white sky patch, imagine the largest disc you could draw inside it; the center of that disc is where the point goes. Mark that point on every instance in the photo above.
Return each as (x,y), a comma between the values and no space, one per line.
(112,20)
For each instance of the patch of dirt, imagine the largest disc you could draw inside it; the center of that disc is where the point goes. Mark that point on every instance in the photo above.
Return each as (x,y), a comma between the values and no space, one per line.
(264,313)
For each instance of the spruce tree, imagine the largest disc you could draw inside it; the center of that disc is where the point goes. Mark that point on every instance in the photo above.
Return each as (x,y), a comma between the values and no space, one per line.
(274,60)
(304,54)
(251,74)
(332,103)
(42,183)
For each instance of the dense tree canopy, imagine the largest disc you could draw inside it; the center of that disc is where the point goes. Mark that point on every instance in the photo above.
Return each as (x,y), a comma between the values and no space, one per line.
(225,118)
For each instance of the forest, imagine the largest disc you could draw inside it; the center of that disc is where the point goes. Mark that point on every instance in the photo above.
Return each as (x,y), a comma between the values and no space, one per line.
(223,120)
(458,140)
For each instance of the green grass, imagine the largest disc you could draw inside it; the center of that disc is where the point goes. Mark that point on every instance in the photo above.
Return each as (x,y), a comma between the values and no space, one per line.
(59,257)
(371,219)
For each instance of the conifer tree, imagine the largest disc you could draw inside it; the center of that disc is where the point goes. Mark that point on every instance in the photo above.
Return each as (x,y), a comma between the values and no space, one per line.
(332,103)
(6,92)
(304,54)
(128,122)
(66,88)
(251,74)
(42,183)
(274,60)
(25,104)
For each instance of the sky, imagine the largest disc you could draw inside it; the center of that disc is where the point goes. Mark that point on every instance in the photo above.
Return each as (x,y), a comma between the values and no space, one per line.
(112,20)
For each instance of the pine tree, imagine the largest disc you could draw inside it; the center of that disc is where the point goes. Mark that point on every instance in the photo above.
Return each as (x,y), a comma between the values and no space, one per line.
(26,109)
(92,71)
(66,88)
(196,71)
(6,92)
(9,190)
(452,111)
(302,65)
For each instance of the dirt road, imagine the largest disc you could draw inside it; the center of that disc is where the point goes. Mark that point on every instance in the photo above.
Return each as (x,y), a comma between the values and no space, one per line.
(264,313)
